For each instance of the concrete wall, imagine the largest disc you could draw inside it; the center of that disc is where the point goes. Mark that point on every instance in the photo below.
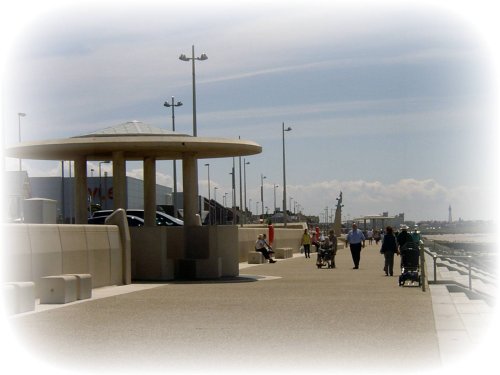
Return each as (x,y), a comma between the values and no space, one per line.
(31,251)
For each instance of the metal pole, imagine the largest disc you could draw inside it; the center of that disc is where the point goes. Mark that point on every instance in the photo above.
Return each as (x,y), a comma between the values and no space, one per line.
(470,273)
(242,221)
(434,257)
(19,115)
(194,95)
(285,215)
(262,194)
(245,182)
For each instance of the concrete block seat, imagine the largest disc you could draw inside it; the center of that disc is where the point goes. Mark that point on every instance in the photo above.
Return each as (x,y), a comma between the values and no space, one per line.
(83,285)
(58,289)
(19,297)
(283,253)
(254,257)
(65,288)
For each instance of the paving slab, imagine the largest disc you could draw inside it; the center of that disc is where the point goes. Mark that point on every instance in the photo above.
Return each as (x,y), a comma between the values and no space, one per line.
(288,316)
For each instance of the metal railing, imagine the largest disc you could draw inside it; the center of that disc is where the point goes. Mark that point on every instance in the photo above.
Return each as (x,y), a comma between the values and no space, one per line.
(443,256)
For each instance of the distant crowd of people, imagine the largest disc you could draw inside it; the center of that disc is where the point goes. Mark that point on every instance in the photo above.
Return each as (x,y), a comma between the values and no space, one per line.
(391,243)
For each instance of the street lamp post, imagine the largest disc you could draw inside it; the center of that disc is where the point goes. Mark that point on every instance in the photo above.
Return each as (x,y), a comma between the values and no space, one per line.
(233,192)
(193,58)
(215,198)
(262,193)
(284,174)
(275,186)
(19,115)
(245,181)
(100,182)
(173,105)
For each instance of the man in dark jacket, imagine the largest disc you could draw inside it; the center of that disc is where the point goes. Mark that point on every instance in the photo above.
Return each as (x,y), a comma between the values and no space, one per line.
(404,236)
(389,248)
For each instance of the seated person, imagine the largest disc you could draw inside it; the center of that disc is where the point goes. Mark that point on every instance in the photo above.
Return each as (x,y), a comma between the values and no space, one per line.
(262,246)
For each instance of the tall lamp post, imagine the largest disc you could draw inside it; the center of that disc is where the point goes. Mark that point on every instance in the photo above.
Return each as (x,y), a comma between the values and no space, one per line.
(193,58)
(19,115)
(284,174)
(262,193)
(100,182)
(245,182)
(275,186)
(215,208)
(173,105)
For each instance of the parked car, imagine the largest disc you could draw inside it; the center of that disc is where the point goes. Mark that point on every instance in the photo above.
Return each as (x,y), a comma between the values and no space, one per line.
(162,219)
(133,221)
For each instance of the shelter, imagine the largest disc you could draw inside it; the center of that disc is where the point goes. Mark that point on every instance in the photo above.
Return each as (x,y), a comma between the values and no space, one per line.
(135,140)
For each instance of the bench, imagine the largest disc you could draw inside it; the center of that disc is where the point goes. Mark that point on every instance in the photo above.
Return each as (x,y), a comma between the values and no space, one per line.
(19,297)
(65,288)
(83,285)
(254,257)
(58,289)
(283,253)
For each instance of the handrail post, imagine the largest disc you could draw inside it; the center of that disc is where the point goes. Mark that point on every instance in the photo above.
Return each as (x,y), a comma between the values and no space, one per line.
(470,273)
(422,266)
(434,258)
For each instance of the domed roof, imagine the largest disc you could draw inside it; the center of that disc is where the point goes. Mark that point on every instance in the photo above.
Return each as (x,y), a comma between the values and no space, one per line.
(131,128)
(135,140)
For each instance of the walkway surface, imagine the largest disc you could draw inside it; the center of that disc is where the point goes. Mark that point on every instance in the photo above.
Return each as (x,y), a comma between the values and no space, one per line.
(287,317)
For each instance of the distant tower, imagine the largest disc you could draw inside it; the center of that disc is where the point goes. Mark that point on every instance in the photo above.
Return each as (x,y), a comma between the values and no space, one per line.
(449,214)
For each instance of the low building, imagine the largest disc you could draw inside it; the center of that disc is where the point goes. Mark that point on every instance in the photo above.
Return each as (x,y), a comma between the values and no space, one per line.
(100,193)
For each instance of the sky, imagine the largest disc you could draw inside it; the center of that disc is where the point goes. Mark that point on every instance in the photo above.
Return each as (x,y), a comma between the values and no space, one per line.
(391,102)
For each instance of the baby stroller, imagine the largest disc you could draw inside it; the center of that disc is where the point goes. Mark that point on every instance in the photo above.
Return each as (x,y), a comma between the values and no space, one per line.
(410,265)
(325,255)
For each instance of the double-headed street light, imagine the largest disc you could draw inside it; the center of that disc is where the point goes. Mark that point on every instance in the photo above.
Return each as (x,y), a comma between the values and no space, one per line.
(173,105)
(284,174)
(203,57)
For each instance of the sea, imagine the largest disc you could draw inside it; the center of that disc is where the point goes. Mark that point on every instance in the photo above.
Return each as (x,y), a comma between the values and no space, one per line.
(482,247)
(478,238)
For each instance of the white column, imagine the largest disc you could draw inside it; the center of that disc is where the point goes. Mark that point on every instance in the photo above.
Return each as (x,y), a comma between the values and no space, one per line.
(150,191)
(190,187)
(81,191)
(119,181)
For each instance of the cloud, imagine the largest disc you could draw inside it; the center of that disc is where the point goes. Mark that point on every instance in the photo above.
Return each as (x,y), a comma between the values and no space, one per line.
(418,199)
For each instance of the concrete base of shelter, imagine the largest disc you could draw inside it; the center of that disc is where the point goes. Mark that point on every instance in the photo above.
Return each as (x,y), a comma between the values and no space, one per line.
(189,252)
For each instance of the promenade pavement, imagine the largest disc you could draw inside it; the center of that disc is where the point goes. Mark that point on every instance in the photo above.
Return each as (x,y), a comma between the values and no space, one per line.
(287,317)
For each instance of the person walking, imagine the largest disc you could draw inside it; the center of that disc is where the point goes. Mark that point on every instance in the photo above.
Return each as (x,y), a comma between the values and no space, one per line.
(356,241)
(306,243)
(333,241)
(403,237)
(388,249)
